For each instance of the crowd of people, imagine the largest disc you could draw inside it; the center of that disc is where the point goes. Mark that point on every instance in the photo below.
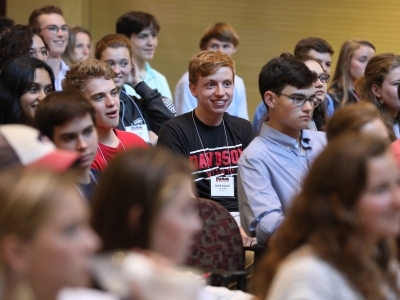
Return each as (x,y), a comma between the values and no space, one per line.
(98,158)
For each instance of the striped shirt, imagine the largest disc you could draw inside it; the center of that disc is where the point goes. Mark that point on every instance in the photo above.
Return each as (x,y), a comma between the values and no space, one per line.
(270,173)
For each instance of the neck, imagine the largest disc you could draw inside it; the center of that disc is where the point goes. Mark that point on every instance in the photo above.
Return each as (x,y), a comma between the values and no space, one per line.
(141,64)
(392,114)
(55,64)
(293,133)
(206,118)
(107,137)
(83,175)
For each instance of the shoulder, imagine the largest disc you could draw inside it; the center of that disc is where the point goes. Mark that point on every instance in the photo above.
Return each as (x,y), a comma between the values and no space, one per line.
(181,120)
(130,137)
(157,74)
(298,274)
(184,79)
(317,137)
(237,121)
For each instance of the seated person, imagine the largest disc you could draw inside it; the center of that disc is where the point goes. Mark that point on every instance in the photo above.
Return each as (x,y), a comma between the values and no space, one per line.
(78,47)
(142,29)
(143,116)
(271,169)
(337,239)
(318,49)
(95,79)
(67,118)
(218,37)
(212,139)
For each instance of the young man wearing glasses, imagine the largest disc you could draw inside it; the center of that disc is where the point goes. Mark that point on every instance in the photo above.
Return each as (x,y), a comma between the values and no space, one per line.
(318,49)
(271,169)
(54,30)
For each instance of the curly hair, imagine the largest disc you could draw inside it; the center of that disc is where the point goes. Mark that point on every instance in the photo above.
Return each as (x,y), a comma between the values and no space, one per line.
(324,216)
(81,71)
(112,41)
(206,63)
(377,69)
(16,41)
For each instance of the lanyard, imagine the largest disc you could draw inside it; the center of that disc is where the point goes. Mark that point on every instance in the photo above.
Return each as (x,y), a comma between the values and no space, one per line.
(101,152)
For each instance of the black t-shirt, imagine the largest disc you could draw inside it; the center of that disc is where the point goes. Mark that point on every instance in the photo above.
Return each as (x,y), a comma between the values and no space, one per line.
(87,190)
(210,154)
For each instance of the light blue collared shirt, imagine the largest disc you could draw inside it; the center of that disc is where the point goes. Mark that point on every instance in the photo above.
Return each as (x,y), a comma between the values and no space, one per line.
(155,80)
(270,173)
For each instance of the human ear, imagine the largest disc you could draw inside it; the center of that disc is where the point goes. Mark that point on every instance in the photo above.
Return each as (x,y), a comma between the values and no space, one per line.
(192,88)
(376,90)
(269,99)
(15,254)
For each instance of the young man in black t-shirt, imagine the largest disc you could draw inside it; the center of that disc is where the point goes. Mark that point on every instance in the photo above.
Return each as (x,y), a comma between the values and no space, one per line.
(210,137)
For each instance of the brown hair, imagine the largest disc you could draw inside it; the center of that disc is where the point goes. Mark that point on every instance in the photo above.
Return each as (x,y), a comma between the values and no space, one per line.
(112,41)
(341,79)
(83,70)
(17,41)
(312,43)
(206,63)
(375,73)
(146,178)
(351,118)
(134,22)
(324,216)
(45,10)
(60,107)
(68,54)
(222,32)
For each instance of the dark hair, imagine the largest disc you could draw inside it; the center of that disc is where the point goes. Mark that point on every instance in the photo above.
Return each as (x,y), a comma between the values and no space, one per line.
(60,107)
(282,71)
(5,23)
(350,119)
(319,115)
(134,22)
(68,54)
(15,78)
(305,45)
(143,178)
(324,216)
(45,10)
(222,32)
(17,41)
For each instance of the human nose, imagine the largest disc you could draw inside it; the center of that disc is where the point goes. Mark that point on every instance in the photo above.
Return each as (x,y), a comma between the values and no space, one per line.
(82,144)
(396,197)
(116,69)
(308,106)
(110,101)
(92,241)
(41,95)
(220,90)
(319,83)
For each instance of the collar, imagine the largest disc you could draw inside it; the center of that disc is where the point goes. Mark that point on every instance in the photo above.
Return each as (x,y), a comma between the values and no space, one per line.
(284,140)
(149,72)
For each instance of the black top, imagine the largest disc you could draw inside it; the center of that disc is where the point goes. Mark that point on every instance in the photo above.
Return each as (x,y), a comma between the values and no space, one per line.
(180,135)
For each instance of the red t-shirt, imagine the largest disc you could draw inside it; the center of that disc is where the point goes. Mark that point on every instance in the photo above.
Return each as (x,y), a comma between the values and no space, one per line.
(106,153)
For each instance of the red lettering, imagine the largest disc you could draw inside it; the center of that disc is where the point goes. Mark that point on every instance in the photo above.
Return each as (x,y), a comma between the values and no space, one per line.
(234,156)
(225,157)
(218,159)
(202,161)
(239,151)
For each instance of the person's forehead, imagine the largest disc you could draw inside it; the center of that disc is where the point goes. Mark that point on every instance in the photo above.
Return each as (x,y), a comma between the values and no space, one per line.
(98,85)
(74,125)
(314,66)
(222,73)
(148,30)
(306,91)
(51,19)
(323,56)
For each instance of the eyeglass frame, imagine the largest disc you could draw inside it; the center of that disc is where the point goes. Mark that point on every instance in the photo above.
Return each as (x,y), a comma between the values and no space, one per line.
(314,100)
(324,74)
(64,29)
(39,52)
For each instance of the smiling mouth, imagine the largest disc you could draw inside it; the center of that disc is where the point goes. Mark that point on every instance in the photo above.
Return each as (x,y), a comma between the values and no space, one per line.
(112,113)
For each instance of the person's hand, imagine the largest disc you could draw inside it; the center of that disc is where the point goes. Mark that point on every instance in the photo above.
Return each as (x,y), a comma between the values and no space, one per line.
(134,77)
(153,138)
(247,241)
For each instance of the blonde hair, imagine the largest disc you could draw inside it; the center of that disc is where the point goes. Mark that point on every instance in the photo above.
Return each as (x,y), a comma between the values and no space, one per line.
(81,71)
(341,79)
(206,63)
(112,41)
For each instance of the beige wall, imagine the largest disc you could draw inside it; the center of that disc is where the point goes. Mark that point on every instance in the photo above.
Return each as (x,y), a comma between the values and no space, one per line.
(266,27)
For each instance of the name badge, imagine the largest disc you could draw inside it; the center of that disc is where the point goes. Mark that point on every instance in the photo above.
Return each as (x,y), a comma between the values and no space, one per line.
(140,130)
(222,186)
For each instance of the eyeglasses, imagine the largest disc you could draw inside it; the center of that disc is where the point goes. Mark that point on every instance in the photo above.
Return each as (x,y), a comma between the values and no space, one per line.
(324,78)
(300,100)
(54,29)
(42,51)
